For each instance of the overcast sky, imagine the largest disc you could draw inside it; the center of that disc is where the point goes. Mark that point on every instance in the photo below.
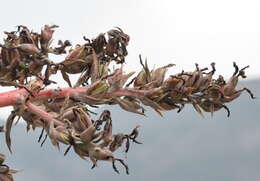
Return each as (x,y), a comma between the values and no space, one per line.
(181,32)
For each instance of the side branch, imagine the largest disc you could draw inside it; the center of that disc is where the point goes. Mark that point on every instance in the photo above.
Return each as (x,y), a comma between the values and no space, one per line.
(43,114)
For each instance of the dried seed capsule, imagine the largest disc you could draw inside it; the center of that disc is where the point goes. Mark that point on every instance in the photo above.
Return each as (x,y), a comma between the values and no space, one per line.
(28,48)
(157,75)
(46,33)
(2,158)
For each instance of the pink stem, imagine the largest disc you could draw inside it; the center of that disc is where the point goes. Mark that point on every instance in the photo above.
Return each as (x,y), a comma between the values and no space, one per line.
(13,97)
(41,113)
(10,98)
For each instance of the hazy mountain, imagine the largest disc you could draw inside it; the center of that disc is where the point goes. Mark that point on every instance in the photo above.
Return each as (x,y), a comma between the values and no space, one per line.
(180,147)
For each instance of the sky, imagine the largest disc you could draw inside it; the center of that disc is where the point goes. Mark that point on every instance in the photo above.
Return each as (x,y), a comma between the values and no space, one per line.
(180,32)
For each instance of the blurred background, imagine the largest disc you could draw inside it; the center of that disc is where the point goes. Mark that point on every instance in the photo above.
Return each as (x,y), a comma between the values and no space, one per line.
(181,146)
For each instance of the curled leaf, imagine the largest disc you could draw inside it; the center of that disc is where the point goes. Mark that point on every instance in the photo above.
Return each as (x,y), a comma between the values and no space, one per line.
(8,127)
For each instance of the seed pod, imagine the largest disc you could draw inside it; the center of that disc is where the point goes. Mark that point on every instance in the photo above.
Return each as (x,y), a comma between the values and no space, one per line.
(173,83)
(116,45)
(212,107)
(148,102)
(129,106)
(166,106)
(5,57)
(98,87)
(87,135)
(230,86)
(94,71)
(25,36)
(80,52)
(143,77)
(214,93)
(2,158)
(46,34)
(140,79)
(30,49)
(198,77)
(118,79)
(236,94)
(157,75)
(58,135)
(99,43)
(120,34)
(117,142)
(103,70)
(61,49)
(206,79)
(100,154)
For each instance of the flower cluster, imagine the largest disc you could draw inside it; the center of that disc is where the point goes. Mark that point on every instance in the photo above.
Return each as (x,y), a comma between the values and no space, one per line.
(65,115)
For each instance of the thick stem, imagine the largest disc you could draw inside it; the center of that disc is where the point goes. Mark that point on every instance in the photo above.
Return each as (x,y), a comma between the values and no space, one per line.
(10,98)
(13,97)
(43,114)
